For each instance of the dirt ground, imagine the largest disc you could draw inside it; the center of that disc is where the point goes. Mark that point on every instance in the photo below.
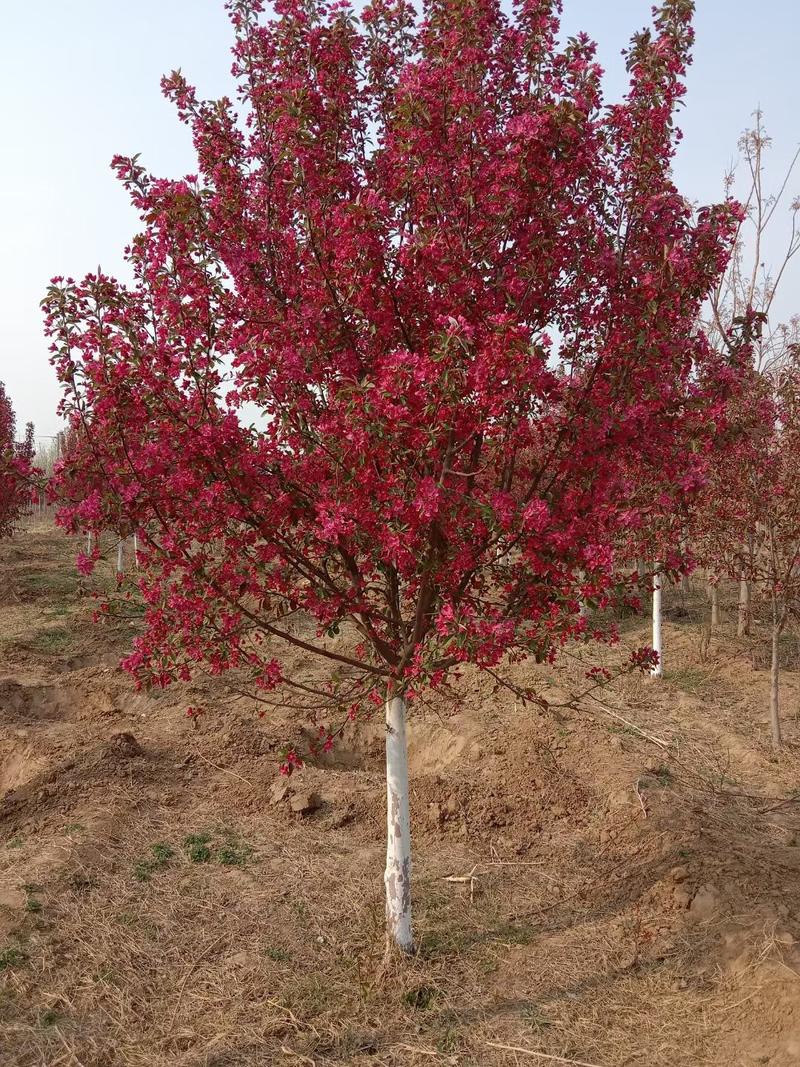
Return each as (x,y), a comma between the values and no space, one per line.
(613,885)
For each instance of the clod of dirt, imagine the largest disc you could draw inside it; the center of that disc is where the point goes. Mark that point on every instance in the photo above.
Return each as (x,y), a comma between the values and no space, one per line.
(244,961)
(280,791)
(123,746)
(679,874)
(705,903)
(17,768)
(621,798)
(439,813)
(304,802)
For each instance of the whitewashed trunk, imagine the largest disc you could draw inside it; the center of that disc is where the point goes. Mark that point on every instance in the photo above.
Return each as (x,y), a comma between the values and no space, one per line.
(89,543)
(120,557)
(743,626)
(398,828)
(658,670)
(136,551)
(774,678)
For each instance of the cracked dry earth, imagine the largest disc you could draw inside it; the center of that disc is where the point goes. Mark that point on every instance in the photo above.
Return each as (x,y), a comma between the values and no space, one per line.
(582,894)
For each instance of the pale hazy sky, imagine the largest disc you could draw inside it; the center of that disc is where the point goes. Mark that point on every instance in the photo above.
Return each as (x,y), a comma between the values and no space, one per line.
(79,81)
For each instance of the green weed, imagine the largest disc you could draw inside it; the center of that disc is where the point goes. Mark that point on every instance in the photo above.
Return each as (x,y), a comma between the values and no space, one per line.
(233,855)
(420,998)
(10,957)
(663,775)
(277,954)
(534,1017)
(54,639)
(32,904)
(450,1042)
(631,731)
(162,854)
(196,846)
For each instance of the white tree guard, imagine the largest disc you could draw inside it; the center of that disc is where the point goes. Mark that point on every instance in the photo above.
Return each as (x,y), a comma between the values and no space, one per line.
(398,828)
(658,670)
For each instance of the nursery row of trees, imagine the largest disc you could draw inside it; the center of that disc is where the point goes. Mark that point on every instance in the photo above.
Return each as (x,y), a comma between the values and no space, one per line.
(745,524)
(468,307)
(17,472)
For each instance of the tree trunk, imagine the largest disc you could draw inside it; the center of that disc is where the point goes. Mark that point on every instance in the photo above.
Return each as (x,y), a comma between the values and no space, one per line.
(641,570)
(743,626)
(684,547)
(398,829)
(714,604)
(658,669)
(774,677)
(120,558)
(136,551)
(89,543)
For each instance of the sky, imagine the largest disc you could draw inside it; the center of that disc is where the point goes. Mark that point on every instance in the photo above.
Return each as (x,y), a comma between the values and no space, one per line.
(79,82)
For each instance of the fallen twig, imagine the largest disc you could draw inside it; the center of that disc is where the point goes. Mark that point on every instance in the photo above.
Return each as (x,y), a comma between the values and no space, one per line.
(224,770)
(466,878)
(540,1055)
(639,795)
(606,710)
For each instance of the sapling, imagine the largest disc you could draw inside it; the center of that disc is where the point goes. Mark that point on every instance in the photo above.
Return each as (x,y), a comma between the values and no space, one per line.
(379,255)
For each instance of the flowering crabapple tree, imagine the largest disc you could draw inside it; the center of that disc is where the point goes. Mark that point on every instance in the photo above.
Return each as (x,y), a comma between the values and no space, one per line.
(461,295)
(655,548)
(16,467)
(740,314)
(737,320)
(76,484)
(753,514)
